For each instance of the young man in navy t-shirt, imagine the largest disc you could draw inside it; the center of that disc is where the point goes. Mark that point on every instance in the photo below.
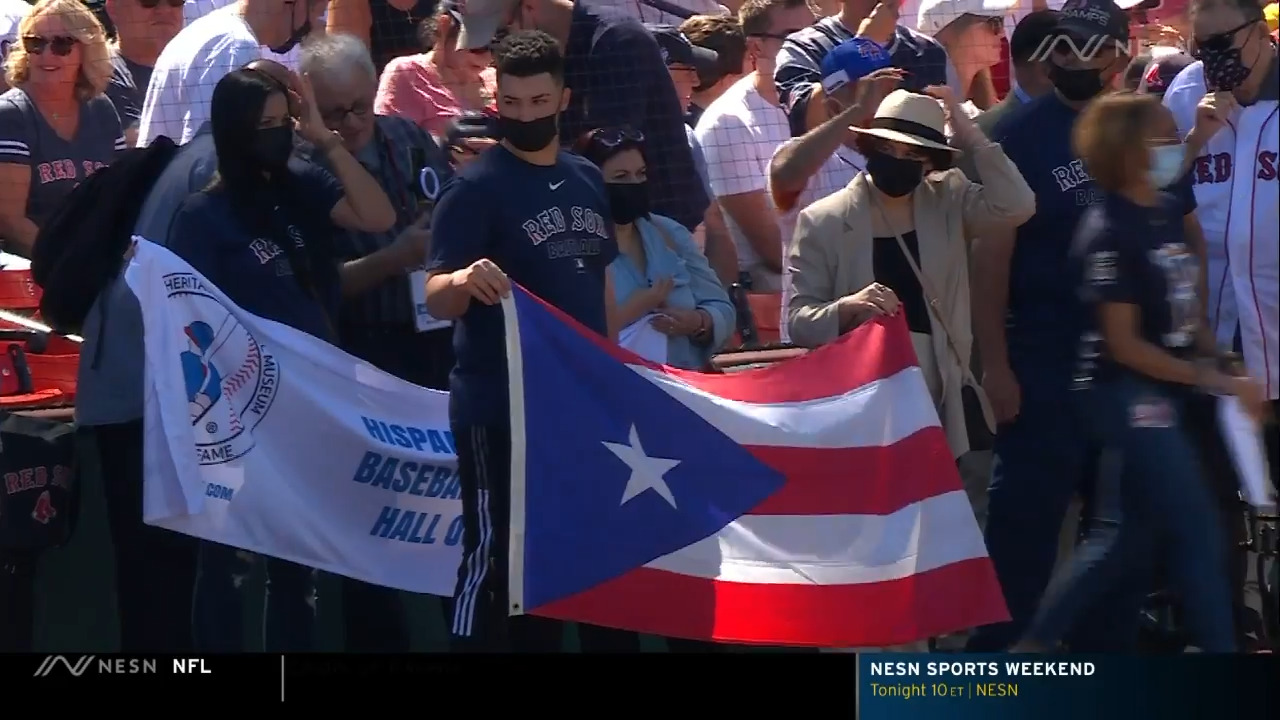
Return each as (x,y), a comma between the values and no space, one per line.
(1027,319)
(524,212)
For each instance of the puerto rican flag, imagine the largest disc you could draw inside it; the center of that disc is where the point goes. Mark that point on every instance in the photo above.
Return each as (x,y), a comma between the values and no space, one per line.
(810,503)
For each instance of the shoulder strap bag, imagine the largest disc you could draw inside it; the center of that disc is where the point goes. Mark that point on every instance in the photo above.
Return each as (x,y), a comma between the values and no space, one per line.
(979,419)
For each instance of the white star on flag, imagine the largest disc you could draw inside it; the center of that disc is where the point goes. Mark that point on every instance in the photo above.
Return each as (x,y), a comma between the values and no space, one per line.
(646,472)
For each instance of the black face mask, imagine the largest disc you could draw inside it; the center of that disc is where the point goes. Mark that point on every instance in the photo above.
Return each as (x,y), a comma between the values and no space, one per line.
(273,146)
(628,201)
(528,135)
(298,34)
(1224,68)
(1076,85)
(894,176)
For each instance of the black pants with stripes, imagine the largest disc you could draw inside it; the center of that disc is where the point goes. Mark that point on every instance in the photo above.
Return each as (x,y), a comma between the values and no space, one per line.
(481,622)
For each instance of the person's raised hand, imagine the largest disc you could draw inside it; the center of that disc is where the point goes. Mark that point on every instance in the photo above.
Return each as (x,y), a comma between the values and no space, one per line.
(1213,112)
(882,23)
(945,95)
(876,86)
(311,126)
(1161,35)
(484,281)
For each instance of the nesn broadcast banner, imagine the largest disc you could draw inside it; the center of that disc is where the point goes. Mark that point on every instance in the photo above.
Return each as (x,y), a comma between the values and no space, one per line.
(1070,687)
(267,439)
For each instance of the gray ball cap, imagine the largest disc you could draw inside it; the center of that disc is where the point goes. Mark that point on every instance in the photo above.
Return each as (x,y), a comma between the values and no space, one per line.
(481,21)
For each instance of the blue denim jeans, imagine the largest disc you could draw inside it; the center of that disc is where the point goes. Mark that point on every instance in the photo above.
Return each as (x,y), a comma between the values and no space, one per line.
(1151,504)
(289,613)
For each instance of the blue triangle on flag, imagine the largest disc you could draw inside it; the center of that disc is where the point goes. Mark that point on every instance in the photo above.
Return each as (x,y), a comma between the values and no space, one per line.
(578,531)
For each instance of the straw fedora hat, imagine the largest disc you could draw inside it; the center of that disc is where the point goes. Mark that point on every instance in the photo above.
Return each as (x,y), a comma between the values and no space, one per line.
(910,118)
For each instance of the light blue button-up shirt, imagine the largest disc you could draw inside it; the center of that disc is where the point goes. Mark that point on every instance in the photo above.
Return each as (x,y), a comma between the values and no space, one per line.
(670,252)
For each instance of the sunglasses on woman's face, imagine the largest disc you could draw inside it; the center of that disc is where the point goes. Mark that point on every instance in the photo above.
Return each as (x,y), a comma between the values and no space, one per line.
(1223,40)
(61,45)
(152,4)
(613,137)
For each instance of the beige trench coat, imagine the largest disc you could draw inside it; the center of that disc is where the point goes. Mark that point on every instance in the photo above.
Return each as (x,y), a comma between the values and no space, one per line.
(830,258)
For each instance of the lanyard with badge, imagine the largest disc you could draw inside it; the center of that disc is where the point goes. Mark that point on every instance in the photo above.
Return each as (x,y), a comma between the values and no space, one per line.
(427,186)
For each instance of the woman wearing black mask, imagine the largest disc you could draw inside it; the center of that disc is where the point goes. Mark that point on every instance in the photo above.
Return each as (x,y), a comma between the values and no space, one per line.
(261,234)
(659,277)
(896,237)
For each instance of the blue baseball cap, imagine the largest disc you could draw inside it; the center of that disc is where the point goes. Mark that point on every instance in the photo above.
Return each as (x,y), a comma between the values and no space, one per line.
(851,61)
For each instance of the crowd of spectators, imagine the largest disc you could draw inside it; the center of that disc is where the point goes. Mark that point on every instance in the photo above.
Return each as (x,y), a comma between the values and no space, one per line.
(793,165)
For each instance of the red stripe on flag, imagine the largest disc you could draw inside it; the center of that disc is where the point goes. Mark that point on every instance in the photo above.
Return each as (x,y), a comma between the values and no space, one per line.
(948,599)
(876,350)
(859,481)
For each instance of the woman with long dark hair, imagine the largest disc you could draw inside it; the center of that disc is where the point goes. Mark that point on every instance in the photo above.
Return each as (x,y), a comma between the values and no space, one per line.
(262,234)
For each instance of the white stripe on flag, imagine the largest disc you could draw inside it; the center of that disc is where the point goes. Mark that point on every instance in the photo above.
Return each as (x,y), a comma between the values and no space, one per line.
(900,403)
(835,549)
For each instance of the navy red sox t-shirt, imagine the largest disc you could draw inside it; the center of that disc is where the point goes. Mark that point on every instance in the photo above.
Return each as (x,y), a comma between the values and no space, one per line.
(251,267)
(57,164)
(1136,255)
(1044,317)
(549,233)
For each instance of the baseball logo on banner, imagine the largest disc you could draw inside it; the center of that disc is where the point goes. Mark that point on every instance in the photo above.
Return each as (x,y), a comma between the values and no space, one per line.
(230,378)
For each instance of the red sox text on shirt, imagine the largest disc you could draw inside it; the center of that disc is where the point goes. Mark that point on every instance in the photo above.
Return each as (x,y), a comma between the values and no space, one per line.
(56,170)
(1216,168)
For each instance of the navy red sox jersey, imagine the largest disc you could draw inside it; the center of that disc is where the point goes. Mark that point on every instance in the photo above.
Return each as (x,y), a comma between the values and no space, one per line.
(1239,207)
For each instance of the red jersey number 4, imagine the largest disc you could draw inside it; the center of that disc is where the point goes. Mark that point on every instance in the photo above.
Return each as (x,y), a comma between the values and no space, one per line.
(44,511)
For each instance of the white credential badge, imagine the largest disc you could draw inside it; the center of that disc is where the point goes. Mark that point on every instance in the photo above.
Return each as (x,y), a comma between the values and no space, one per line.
(429,184)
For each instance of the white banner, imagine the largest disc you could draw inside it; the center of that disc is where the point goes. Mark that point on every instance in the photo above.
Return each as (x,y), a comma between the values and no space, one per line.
(267,439)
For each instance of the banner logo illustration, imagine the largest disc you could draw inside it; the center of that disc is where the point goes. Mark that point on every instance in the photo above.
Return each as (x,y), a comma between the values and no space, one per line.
(231,379)
(76,668)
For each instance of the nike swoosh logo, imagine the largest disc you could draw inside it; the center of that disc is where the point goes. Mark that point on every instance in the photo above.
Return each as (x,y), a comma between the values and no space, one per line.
(555,186)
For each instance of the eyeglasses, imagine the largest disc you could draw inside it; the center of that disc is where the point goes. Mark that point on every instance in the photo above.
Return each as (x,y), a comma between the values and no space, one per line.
(1223,40)
(152,4)
(337,115)
(613,137)
(60,45)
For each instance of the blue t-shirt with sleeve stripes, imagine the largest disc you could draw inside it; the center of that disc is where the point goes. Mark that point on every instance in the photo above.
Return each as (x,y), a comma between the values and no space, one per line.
(57,164)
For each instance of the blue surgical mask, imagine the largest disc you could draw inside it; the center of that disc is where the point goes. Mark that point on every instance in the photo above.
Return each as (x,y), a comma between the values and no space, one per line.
(1166,164)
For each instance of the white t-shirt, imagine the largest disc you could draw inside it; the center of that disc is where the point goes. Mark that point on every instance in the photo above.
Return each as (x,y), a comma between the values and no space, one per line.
(838,171)
(181,88)
(11,14)
(738,135)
